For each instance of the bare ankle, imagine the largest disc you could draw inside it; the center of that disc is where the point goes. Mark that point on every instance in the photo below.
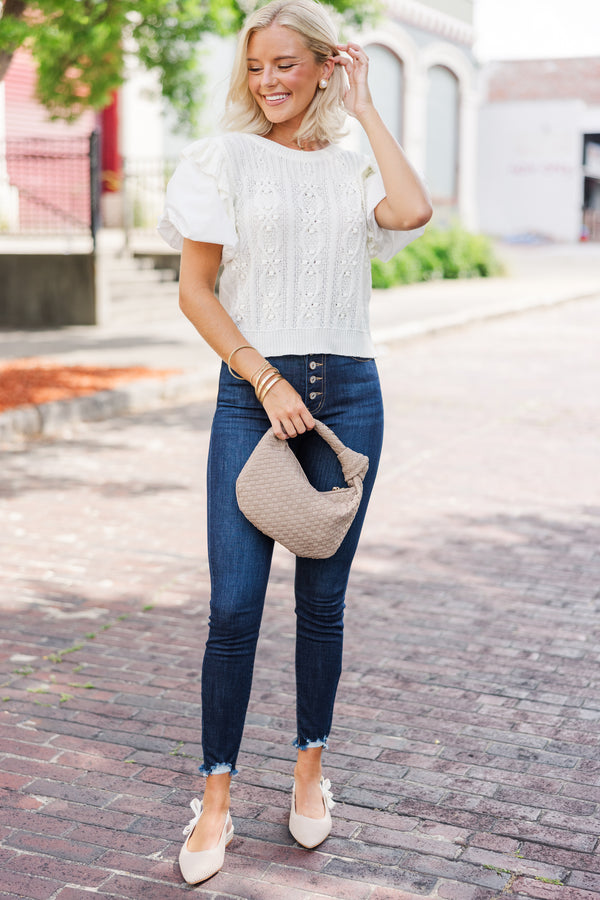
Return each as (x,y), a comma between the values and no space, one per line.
(308,765)
(304,773)
(216,793)
(213,806)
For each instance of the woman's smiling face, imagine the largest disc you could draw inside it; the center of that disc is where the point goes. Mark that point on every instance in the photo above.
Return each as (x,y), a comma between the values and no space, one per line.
(283,74)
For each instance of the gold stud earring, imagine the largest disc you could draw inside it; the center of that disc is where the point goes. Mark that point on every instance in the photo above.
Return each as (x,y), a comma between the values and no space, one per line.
(323,83)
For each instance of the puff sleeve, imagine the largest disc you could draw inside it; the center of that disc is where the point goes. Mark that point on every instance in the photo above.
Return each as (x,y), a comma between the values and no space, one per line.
(381,242)
(199,203)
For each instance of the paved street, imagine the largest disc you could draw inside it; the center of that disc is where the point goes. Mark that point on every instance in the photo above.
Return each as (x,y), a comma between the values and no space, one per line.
(465,758)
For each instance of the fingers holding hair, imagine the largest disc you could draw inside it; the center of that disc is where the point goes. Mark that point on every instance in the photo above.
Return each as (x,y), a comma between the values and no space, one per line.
(355,63)
(355,54)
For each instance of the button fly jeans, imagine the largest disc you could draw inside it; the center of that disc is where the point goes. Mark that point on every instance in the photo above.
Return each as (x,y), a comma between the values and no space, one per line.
(344,393)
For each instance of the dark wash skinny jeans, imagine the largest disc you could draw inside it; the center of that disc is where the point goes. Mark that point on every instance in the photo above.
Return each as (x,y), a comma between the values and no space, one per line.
(344,393)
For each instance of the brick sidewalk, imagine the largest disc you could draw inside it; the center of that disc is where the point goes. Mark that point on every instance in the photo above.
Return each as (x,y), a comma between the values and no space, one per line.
(465,757)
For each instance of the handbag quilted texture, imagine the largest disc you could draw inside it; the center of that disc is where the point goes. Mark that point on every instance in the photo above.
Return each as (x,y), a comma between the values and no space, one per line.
(274,493)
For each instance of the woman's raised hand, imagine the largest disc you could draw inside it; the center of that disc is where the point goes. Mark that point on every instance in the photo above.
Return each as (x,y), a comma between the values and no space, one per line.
(286,411)
(357,98)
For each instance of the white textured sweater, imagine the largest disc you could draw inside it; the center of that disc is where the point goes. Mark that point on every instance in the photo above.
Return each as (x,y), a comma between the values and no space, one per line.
(297,229)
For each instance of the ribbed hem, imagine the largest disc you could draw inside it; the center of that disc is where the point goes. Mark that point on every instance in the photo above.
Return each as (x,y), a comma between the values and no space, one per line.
(302,341)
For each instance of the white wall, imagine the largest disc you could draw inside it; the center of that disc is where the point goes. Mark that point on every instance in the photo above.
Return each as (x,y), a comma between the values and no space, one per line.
(530,174)
(591,119)
(141,123)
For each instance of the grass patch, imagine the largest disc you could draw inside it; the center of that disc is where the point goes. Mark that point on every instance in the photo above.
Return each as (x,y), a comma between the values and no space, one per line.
(439,253)
(25,670)
(501,871)
(498,870)
(60,654)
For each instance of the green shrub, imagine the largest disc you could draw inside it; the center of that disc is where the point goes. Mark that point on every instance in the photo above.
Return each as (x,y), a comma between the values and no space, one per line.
(439,253)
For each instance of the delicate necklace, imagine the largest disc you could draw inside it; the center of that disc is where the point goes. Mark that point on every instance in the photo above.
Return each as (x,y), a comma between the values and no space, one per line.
(294,145)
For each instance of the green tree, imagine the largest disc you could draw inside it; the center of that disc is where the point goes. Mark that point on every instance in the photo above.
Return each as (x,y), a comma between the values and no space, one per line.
(79,46)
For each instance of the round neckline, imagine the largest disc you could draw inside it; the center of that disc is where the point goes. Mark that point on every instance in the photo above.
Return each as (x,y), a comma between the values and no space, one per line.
(302,154)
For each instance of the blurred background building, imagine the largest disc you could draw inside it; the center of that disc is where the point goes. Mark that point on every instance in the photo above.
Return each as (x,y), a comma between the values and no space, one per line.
(510,148)
(424,78)
(539,149)
(44,169)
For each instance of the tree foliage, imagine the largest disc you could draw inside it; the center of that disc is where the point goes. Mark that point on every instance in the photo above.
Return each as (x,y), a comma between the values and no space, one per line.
(80,46)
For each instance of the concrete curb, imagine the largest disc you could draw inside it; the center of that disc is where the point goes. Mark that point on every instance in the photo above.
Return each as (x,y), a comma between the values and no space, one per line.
(52,419)
(471,316)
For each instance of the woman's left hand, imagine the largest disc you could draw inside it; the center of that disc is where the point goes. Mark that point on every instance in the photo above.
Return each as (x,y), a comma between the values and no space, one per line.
(357,98)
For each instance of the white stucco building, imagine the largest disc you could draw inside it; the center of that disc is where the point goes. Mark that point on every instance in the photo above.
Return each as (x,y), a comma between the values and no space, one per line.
(539,149)
(423,78)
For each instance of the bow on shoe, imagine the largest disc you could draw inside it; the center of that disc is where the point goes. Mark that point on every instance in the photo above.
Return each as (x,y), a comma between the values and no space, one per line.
(197,810)
(327,795)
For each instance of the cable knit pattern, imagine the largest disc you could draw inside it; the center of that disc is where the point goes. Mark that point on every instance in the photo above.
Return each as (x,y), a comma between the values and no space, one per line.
(297,229)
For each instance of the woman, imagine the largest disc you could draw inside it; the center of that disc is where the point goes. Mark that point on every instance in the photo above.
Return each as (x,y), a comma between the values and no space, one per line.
(293,218)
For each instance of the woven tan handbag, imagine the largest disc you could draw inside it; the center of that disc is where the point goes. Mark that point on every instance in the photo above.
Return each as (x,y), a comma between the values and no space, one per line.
(274,493)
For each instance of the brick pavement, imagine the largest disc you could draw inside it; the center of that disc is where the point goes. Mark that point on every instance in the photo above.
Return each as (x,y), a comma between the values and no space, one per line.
(465,758)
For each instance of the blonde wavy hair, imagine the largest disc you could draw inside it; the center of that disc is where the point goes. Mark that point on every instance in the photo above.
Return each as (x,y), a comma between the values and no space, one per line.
(325,116)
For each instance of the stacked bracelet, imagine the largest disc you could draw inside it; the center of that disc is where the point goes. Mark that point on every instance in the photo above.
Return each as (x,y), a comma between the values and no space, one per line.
(267,378)
(259,372)
(268,387)
(232,354)
(266,375)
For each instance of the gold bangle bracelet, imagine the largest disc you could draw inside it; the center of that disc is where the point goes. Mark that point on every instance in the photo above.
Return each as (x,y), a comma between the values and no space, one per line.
(271,379)
(264,377)
(269,386)
(259,372)
(232,354)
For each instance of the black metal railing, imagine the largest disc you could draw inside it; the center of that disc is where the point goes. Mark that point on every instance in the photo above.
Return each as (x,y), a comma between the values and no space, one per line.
(95,152)
(144,185)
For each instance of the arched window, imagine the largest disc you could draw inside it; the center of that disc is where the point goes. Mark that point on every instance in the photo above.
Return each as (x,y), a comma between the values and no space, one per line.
(442,135)
(386,81)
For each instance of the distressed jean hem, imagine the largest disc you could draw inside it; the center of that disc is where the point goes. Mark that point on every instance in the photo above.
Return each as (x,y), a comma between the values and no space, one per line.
(306,745)
(218,769)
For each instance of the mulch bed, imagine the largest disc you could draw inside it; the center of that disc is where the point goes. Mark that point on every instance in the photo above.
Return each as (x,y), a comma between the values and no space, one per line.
(35,381)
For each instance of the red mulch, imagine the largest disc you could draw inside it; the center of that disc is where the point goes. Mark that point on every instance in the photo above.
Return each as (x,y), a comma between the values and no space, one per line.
(34,381)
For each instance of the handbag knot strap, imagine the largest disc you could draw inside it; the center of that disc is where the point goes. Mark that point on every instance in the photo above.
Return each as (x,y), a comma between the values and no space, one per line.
(353,464)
